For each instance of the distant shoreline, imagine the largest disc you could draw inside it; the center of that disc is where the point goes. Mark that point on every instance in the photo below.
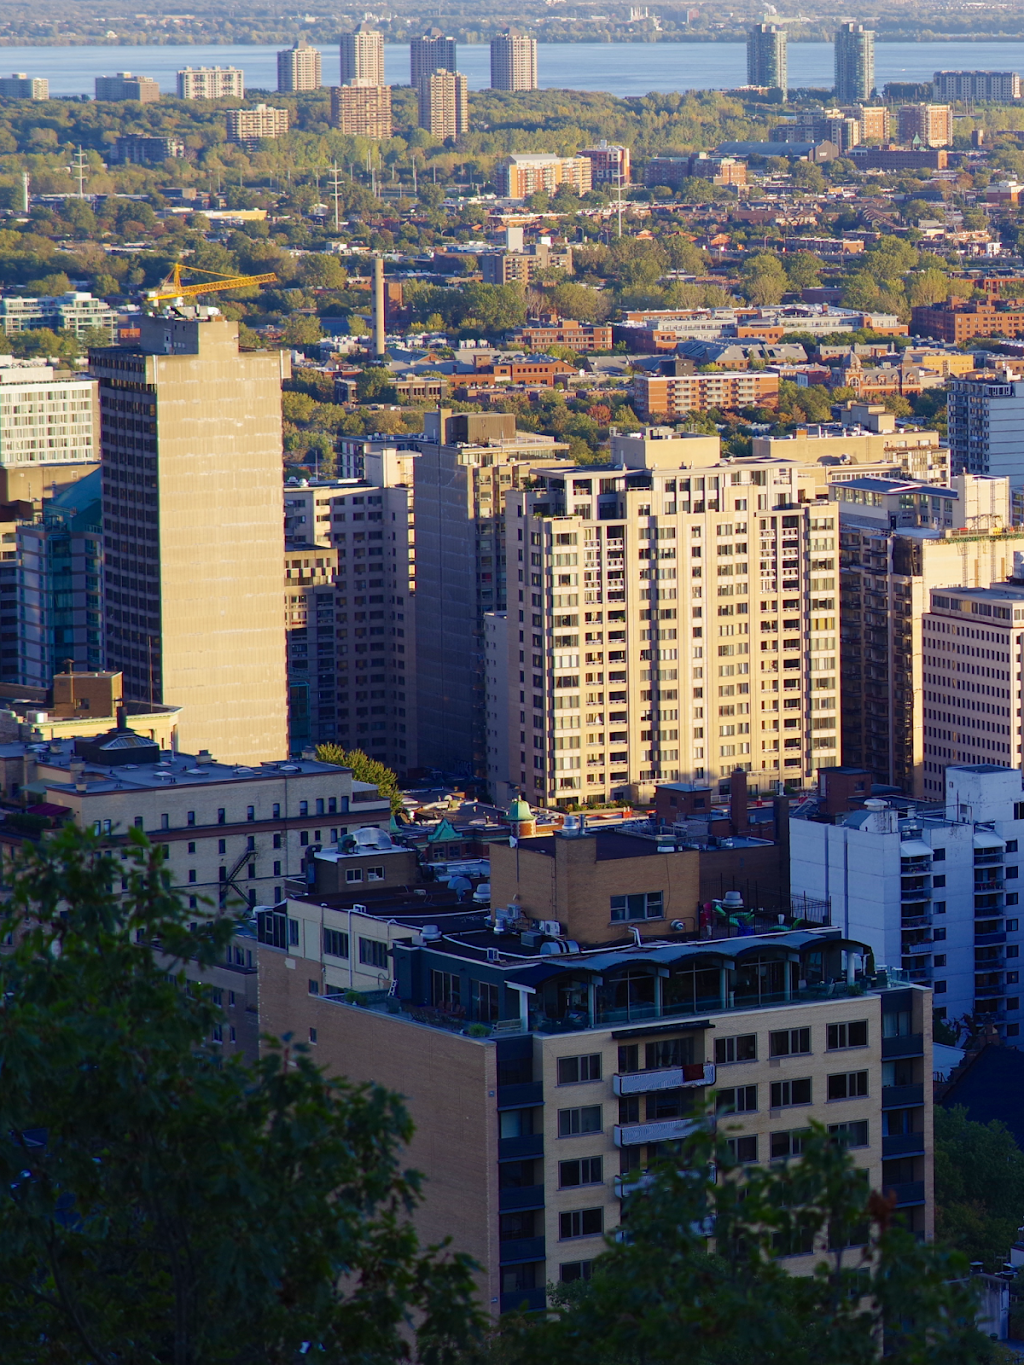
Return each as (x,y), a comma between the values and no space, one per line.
(647,40)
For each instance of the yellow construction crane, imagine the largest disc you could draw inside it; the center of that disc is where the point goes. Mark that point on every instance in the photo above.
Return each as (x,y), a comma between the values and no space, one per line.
(174,289)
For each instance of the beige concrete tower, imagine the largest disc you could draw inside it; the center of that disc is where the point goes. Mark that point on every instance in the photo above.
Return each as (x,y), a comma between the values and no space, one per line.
(193,532)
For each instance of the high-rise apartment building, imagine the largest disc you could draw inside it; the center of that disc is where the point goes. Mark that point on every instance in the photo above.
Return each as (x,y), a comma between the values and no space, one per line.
(995,87)
(362,110)
(247,127)
(969,708)
(589,1065)
(523,174)
(136,149)
(930,890)
(986,412)
(19,86)
(362,56)
(670,619)
(192,519)
(443,104)
(513,61)
(873,120)
(609,164)
(59,565)
(433,52)
(867,438)
(887,576)
(298,68)
(767,59)
(75,311)
(855,63)
(350,607)
(930,125)
(674,396)
(45,420)
(211,83)
(125,86)
(467,466)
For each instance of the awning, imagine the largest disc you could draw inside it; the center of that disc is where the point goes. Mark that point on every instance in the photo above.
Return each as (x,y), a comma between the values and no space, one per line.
(915,848)
(986,839)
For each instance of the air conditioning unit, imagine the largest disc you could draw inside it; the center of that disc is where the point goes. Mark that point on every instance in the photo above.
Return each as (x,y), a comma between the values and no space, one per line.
(493,955)
(551,927)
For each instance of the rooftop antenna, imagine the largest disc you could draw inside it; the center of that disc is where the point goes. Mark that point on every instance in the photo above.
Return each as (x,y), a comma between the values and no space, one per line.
(335,185)
(79,166)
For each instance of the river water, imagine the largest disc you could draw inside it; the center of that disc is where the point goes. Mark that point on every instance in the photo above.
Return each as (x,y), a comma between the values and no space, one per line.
(620,68)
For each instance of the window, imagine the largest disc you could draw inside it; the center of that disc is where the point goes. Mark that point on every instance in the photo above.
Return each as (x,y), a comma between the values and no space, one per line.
(312,1035)
(354,874)
(335,943)
(850,1134)
(742,1048)
(222,816)
(673,1052)
(788,1042)
(374,874)
(190,817)
(314,987)
(485,1000)
(848,1035)
(250,812)
(786,1093)
(938,855)
(320,805)
(788,1143)
(586,1119)
(303,807)
(293,931)
(580,1223)
(644,905)
(740,1100)
(192,874)
(744,1148)
(848,1085)
(165,823)
(571,1271)
(278,841)
(445,990)
(373,952)
(573,1069)
(589,1170)
(629,1058)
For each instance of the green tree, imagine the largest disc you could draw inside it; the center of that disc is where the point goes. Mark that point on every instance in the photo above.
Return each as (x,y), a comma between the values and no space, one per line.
(764,279)
(804,270)
(164,1204)
(666,1293)
(979,1186)
(929,286)
(364,769)
(301,330)
(808,177)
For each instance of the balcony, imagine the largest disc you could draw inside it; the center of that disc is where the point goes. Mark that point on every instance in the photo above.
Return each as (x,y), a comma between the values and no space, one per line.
(988,884)
(625,1185)
(915,921)
(910,1192)
(920,893)
(903,1144)
(670,1078)
(993,859)
(521,1249)
(520,1096)
(981,940)
(910,1045)
(664,1130)
(519,1148)
(995,963)
(529,1300)
(902,1096)
(988,992)
(515,1197)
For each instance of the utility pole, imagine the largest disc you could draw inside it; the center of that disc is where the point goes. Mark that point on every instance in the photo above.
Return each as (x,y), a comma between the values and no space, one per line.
(378,308)
(79,166)
(26,181)
(335,186)
(618,181)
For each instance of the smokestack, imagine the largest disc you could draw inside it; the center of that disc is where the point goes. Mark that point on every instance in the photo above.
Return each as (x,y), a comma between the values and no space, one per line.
(378,306)
(738,817)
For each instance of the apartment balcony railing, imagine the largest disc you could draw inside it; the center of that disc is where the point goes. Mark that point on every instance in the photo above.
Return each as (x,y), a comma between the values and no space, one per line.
(663,1130)
(907,1193)
(516,1197)
(668,1078)
(521,1249)
(902,1096)
(902,1144)
(909,1045)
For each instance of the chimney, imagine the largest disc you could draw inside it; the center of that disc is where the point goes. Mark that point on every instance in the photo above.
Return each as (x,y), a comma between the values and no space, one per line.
(738,801)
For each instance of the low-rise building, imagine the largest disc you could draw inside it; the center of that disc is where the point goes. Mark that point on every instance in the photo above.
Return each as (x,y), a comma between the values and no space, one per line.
(523,174)
(931,889)
(521,267)
(959,320)
(610,164)
(20,86)
(540,333)
(672,396)
(75,704)
(574,1067)
(75,311)
(125,86)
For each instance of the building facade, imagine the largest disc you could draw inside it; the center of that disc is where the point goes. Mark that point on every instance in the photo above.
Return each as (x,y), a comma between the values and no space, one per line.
(855,63)
(930,125)
(435,51)
(247,127)
(60,567)
(74,311)
(525,174)
(45,420)
(767,58)
(443,104)
(19,86)
(513,61)
(995,87)
(135,149)
(362,56)
(673,396)
(985,414)
(298,68)
(610,164)
(671,620)
(591,1064)
(362,110)
(933,890)
(125,86)
(211,83)
(191,443)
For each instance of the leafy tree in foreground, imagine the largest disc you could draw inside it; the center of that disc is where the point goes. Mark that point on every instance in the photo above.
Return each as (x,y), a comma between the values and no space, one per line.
(364,769)
(662,1296)
(979,1186)
(162,1205)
